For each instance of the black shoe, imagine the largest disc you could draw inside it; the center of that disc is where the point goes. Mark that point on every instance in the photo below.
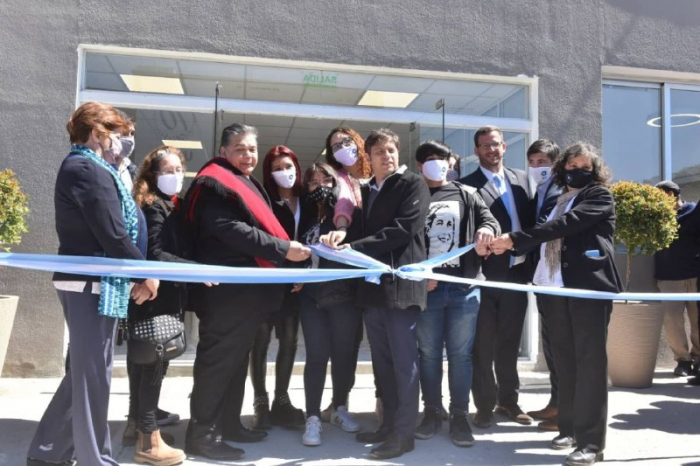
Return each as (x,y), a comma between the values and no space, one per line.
(696,368)
(244,435)
(34,462)
(204,441)
(514,413)
(430,425)
(460,431)
(378,436)
(694,380)
(261,419)
(562,442)
(444,414)
(284,414)
(164,418)
(483,419)
(683,369)
(393,447)
(583,457)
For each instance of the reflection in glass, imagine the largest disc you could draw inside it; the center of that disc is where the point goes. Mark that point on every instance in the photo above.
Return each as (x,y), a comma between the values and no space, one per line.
(685,141)
(631,146)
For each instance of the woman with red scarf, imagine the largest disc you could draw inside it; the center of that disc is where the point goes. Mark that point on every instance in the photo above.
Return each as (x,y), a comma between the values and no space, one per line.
(233,225)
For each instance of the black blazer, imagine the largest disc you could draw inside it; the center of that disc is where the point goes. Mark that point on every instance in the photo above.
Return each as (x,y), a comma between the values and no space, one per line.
(393,233)
(497,267)
(588,226)
(551,194)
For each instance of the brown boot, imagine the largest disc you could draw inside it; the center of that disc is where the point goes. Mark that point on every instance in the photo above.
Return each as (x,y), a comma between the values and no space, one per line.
(151,449)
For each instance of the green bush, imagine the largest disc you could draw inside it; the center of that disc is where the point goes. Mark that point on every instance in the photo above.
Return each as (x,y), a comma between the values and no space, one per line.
(13,210)
(646,219)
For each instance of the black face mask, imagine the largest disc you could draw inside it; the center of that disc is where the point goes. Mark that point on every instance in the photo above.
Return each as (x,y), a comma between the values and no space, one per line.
(577,178)
(321,195)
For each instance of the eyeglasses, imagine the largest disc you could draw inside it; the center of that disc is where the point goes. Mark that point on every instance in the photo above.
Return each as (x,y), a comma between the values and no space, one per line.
(346,142)
(492,146)
(326,181)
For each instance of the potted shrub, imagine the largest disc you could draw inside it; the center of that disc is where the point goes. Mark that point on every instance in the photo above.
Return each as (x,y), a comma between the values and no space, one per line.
(646,223)
(13,212)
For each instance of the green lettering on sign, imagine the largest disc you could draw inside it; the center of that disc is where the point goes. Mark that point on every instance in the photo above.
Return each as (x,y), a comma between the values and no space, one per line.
(318,79)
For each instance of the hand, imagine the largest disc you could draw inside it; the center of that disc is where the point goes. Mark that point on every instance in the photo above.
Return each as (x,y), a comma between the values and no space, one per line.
(483,237)
(501,244)
(334,238)
(432,284)
(210,284)
(152,286)
(482,250)
(297,252)
(142,292)
(297,287)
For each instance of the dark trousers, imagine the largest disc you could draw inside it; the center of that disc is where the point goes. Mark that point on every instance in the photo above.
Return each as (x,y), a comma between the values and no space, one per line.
(75,422)
(499,327)
(286,325)
(392,340)
(330,334)
(229,318)
(579,329)
(144,394)
(548,358)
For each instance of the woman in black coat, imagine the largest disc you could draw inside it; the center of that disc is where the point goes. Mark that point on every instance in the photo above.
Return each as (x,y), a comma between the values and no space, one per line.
(577,252)
(157,184)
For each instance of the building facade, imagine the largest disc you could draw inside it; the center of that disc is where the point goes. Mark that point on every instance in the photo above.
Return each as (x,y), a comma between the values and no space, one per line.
(616,73)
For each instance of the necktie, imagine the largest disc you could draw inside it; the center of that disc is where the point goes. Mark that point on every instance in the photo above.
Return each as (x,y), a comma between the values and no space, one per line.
(503,191)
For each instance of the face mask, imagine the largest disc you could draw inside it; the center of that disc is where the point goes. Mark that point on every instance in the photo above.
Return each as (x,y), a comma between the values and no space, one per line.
(540,174)
(285,178)
(577,178)
(347,155)
(435,170)
(452,175)
(170,184)
(116,149)
(128,145)
(321,195)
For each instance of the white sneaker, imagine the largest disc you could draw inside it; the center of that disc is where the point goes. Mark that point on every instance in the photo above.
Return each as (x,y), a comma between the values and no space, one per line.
(340,417)
(312,435)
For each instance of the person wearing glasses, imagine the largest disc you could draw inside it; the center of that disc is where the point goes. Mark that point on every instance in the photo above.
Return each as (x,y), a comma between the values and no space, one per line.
(329,316)
(507,193)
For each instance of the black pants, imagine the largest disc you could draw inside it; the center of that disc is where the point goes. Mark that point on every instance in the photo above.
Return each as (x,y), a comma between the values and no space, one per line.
(548,358)
(330,334)
(392,339)
(286,325)
(579,329)
(499,327)
(144,394)
(229,318)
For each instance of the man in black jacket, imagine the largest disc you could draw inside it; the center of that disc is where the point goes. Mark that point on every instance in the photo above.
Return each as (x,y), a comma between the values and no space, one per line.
(395,204)
(499,326)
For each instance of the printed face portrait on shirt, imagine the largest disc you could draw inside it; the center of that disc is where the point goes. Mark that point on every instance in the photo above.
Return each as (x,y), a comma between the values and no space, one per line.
(442,229)
(242,152)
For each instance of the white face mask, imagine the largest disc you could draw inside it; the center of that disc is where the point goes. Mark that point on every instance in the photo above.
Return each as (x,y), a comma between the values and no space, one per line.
(346,155)
(540,174)
(285,178)
(170,184)
(128,145)
(115,150)
(435,170)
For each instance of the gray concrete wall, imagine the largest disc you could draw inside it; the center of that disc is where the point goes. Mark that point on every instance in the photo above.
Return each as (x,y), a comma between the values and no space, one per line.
(564,43)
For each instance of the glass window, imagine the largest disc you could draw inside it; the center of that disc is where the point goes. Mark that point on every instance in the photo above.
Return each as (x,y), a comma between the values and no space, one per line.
(632,132)
(685,141)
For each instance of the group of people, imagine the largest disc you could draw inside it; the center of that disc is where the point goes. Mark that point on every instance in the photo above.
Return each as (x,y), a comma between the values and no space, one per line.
(552,226)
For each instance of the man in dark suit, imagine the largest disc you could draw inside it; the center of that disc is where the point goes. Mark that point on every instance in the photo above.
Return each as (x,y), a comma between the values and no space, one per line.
(540,158)
(499,326)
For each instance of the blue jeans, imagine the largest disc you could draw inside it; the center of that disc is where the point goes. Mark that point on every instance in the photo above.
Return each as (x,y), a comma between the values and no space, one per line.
(449,320)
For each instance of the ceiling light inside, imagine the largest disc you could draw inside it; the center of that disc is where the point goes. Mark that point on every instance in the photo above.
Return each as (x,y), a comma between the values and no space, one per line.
(180,144)
(155,84)
(387,99)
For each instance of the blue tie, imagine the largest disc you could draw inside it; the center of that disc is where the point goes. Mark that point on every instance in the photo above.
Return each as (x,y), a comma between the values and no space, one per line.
(503,191)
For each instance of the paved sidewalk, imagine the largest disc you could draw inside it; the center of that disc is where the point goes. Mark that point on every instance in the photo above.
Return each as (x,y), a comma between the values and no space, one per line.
(656,426)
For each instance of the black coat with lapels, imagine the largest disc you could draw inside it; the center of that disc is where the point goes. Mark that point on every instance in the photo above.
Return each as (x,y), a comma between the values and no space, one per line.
(587,227)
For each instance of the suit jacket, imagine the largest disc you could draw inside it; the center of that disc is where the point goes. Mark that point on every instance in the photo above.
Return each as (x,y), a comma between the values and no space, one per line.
(551,194)
(393,233)
(497,267)
(588,226)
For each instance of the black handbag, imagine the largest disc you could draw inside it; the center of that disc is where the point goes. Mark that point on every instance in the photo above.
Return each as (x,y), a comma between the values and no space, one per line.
(156,340)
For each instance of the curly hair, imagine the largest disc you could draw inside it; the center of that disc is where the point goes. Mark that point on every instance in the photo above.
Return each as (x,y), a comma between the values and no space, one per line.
(146,181)
(362,157)
(601,173)
(269,182)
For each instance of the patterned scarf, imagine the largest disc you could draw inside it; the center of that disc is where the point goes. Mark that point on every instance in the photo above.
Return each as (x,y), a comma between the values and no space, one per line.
(552,250)
(114,294)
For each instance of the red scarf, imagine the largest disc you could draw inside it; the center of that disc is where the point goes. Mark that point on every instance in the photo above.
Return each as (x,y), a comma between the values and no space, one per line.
(242,194)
